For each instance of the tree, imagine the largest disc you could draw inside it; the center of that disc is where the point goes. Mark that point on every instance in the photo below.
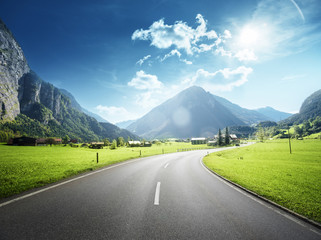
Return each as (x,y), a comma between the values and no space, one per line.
(260,134)
(65,139)
(106,142)
(50,141)
(306,127)
(227,136)
(298,131)
(113,144)
(120,142)
(220,139)
(316,124)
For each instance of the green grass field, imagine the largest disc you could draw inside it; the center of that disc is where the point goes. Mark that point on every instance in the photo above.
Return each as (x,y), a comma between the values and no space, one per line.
(291,180)
(23,168)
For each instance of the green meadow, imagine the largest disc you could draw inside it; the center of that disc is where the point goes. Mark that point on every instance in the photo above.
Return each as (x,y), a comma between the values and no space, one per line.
(291,180)
(23,168)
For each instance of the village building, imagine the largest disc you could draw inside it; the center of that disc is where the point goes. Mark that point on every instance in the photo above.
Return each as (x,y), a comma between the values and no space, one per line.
(233,137)
(24,141)
(212,143)
(41,142)
(200,140)
(97,145)
(134,143)
(58,141)
(147,144)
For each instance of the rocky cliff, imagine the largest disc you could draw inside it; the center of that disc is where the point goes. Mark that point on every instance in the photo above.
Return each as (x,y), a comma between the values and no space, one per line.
(39,108)
(13,66)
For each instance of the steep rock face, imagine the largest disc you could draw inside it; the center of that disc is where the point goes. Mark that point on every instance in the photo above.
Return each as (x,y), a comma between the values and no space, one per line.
(13,66)
(34,92)
(46,110)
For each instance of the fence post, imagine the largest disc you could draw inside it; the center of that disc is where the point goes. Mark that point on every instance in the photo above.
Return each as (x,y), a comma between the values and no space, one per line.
(97,157)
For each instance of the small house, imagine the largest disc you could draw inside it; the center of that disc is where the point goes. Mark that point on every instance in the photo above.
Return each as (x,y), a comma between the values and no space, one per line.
(200,140)
(233,137)
(24,141)
(147,144)
(41,142)
(134,143)
(58,141)
(97,145)
(212,143)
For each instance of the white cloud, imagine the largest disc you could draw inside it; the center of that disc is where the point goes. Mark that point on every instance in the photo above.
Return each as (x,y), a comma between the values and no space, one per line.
(178,54)
(144,81)
(172,53)
(221,51)
(179,35)
(115,114)
(222,80)
(227,34)
(246,55)
(141,61)
(148,99)
(293,77)
(186,61)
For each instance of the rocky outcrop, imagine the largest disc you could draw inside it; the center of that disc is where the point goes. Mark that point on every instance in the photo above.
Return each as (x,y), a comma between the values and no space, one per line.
(46,110)
(13,66)
(33,92)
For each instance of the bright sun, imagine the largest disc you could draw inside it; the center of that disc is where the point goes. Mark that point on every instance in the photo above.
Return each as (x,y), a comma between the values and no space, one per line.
(249,36)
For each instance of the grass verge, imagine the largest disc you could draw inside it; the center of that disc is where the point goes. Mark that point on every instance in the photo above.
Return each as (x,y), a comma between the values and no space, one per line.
(24,168)
(291,180)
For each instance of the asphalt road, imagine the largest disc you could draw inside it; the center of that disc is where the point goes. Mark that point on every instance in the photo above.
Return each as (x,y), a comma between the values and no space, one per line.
(168,196)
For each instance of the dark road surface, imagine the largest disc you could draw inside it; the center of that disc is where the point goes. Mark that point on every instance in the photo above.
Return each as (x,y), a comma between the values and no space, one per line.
(168,196)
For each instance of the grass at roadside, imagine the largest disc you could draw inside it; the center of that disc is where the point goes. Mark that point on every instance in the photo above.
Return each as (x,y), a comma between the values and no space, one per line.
(291,180)
(23,168)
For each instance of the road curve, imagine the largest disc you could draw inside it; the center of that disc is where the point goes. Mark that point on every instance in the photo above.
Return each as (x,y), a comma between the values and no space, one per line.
(168,196)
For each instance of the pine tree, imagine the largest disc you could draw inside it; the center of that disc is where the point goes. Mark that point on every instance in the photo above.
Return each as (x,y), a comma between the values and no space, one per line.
(220,139)
(227,136)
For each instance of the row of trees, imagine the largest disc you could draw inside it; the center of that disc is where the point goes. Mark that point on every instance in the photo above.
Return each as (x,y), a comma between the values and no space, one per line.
(223,140)
(265,131)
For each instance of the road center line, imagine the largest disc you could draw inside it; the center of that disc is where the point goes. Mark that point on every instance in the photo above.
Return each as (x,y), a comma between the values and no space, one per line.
(166,165)
(156,201)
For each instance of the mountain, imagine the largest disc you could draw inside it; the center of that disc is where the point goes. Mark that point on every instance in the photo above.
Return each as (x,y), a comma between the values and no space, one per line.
(273,114)
(34,107)
(310,109)
(247,116)
(13,66)
(77,106)
(124,124)
(191,113)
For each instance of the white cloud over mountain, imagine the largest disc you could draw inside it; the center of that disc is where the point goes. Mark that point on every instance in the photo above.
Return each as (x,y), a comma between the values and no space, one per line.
(144,81)
(222,80)
(179,35)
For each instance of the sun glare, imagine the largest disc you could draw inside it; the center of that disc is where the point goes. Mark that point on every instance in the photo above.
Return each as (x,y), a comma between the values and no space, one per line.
(249,36)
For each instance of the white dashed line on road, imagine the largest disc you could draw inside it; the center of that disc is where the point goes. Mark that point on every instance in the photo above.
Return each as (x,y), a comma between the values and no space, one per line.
(156,201)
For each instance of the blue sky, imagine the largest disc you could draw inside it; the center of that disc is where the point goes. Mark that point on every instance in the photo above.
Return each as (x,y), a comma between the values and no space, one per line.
(122,58)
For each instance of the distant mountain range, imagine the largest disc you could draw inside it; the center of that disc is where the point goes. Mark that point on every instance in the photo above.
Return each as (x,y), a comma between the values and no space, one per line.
(31,106)
(124,124)
(273,114)
(196,113)
(77,106)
